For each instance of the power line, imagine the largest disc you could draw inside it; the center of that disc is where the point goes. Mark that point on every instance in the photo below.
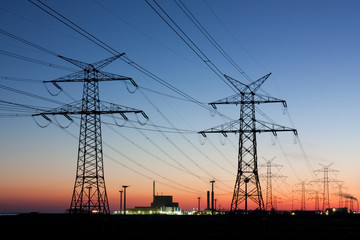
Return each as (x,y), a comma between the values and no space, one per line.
(135,65)
(307,160)
(220,49)
(19,106)
(121,19)
(127,60)
(232,35)
(186,139)
(185,188)
(202,29)
(157,128)
(30,94)
(34,45)
(148,169)
(124,58)
(75,27)
(24,58)
(247,126)
(181,168)
(186,39)
(17,79)
(28,43)
(164,94)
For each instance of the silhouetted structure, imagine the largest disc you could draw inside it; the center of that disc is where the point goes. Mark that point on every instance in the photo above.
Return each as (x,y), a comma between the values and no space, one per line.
(89,195)
(269,177)
(125,187)
(247,184)
(212,197)
(325,181)
(208,200)
(160,205)
(163,201)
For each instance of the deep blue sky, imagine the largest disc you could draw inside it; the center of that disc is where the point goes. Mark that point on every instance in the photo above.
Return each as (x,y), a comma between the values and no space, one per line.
(311,48)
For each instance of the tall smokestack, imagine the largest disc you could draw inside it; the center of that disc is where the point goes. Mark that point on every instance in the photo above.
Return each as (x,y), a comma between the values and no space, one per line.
(153,191)
(208,200)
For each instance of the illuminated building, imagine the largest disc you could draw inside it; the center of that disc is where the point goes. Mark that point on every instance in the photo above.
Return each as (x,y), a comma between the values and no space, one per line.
(160,205)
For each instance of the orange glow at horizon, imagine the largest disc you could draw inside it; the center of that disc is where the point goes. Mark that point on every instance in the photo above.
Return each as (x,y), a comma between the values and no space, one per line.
(57,199)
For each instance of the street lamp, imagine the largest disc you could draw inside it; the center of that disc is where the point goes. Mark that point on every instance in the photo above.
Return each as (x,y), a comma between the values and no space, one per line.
(120,200)
(124,186)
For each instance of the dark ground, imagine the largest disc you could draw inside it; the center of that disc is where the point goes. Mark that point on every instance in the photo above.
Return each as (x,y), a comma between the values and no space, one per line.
(178,227)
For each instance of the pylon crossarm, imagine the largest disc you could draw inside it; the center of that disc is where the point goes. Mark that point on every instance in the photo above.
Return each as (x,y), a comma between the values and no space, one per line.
(101,77)
(234,99)
(62,110)
(102,63)
(233,127)
(97,65)
(75,109)
(72,77)
(116,108)
(255,85)
(77,63)
(230,127)
(258,99)
(105,76)
(252,87)
(241,87)
(273,128)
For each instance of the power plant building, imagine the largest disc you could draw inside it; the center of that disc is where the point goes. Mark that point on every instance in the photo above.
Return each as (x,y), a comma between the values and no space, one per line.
(160,205)
(165,204)
(166,201)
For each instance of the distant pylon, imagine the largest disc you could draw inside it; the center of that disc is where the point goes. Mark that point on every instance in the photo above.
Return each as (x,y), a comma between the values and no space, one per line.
(89,194)
(269,177)
(316,199)
(340,194)
(303,196)
(325,181)
(247,184)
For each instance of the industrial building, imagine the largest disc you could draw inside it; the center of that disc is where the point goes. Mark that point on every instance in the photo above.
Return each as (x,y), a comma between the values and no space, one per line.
(161,205)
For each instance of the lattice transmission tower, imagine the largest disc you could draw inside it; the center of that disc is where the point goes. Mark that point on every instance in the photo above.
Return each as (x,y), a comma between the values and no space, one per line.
(270,176)
(303,191)
(325,180)
(247,184)
(89,194)
(316,198)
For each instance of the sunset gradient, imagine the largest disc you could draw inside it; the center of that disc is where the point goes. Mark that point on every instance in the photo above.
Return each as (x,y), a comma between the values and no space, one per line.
(310,47)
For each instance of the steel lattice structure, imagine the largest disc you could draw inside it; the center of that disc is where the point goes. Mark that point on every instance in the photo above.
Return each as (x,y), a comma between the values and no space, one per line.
(269,176)
(89,194)
(325,181)
(247,184)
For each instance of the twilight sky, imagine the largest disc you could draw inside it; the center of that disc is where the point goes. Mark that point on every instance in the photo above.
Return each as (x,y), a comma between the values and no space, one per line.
(310,47)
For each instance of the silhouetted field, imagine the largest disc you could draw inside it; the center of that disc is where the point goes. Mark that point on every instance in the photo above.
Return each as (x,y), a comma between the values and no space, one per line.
(176,227)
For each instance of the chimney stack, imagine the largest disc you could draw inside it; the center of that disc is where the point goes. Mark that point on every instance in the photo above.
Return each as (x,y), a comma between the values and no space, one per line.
(153,191)
(208,200)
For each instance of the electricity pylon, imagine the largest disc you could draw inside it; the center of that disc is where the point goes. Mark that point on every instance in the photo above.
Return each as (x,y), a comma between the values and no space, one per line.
(269,177)
(325,181)
(316,199)
(89,194)
(303,194)
(340,194)
(247,184)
